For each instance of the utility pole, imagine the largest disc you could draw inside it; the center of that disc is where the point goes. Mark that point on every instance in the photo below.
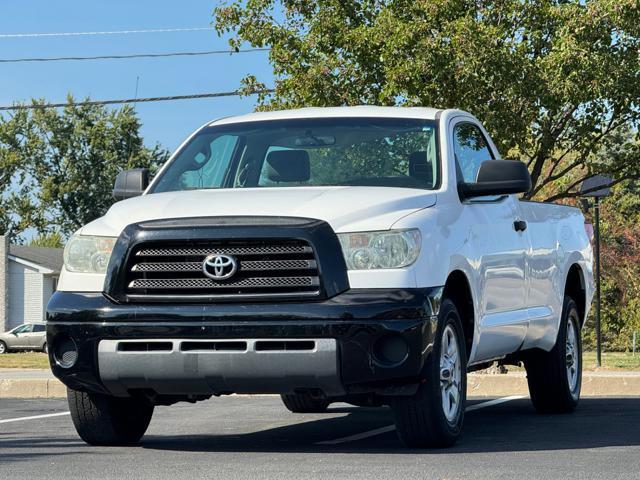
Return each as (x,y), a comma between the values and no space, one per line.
(597,186)
(597,253)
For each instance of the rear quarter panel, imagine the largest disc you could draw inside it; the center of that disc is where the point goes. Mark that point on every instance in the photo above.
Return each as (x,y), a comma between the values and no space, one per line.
(558,240)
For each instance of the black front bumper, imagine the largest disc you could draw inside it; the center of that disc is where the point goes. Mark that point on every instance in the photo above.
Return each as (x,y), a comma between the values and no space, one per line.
(355,319)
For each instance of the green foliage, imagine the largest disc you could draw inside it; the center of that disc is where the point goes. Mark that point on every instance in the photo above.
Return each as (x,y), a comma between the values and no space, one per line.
(52,240)
(620,266)
(57,167)
(553,80)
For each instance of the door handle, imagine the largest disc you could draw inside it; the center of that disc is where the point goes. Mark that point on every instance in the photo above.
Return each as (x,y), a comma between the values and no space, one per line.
(520,225)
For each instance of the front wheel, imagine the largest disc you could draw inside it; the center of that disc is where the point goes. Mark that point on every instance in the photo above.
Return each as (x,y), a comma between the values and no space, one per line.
(109,421)
(433,417)
(3,347)
(555,377)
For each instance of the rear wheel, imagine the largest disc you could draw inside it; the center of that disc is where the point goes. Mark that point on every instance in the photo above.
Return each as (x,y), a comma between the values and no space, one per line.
(433,417)
(304,403)
(555,377)
(106,420)
(45,348)
(3,347)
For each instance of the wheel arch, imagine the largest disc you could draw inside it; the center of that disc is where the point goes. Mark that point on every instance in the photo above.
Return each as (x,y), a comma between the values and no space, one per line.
(458,289)
(575,287)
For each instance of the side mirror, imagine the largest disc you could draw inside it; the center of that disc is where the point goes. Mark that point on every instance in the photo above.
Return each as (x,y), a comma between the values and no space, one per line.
(131,183)
(497,177)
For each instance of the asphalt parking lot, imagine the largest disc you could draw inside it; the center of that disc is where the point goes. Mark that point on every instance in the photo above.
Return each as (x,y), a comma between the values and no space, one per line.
(256,437)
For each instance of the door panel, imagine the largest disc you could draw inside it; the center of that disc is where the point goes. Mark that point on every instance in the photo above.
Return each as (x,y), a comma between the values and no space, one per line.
(502,333)
(30,340)
(500,251)
(22,336)
(503,290)
(37,336)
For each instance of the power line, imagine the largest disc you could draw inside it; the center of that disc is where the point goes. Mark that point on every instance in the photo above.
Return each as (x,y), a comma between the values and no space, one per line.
(136,55)
(42,106)
(114,32)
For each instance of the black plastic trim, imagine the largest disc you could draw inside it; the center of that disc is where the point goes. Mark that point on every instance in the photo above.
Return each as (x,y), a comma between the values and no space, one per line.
(330,261)
(355,318)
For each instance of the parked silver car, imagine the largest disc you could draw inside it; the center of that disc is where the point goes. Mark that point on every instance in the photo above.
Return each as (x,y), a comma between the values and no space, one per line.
(28,336)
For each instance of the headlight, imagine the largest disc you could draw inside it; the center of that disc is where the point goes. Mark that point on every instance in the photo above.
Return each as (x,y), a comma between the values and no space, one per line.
(88,254)
(386,249)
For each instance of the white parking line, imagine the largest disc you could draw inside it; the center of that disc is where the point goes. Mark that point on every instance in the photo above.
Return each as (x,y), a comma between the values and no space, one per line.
(391,428)
(491,403)
(359,436)
(35,417)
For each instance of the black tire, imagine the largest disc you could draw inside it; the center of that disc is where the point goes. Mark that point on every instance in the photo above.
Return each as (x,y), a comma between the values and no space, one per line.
(364,401)
(304,403)
(547,372)
(420,419)
(3,347)
(109,421)
(45,348)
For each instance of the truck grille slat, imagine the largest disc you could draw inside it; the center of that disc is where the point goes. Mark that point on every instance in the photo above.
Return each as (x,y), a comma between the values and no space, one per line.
(278,267)
(265,282)
(246,265)
(190,252)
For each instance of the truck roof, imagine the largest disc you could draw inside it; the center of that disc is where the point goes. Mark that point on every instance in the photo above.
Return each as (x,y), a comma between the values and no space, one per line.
(328,112)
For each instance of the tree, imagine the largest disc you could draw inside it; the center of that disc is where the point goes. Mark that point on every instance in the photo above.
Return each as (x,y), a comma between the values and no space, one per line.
(620,253)
(57,167)
(552,80)
(52,240)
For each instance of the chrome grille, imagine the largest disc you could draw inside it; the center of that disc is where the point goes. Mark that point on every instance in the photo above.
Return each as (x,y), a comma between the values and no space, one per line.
(265,250)
(277,268)
(249,265)
(263,282)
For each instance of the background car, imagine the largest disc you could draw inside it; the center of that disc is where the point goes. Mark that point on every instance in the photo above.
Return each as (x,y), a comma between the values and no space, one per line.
(28,336)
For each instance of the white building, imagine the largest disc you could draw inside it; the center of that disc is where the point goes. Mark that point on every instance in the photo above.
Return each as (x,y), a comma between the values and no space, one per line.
(28,278)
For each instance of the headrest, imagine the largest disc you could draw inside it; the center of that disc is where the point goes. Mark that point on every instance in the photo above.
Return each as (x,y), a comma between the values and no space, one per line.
(288,166)
(420,167)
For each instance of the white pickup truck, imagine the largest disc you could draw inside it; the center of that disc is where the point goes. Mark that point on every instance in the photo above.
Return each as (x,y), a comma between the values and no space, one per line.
(372,255)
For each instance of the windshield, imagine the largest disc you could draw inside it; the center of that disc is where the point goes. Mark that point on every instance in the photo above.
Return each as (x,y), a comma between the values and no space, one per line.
(307,152)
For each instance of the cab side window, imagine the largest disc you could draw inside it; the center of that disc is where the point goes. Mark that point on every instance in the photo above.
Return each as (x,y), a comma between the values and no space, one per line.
(38,328)
(470,149)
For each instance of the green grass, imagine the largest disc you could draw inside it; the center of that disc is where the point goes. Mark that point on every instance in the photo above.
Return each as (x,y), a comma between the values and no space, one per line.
(611,361)
(24,360)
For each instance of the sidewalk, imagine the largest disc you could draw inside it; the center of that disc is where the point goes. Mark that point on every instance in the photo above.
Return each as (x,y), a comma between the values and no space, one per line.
(36,383)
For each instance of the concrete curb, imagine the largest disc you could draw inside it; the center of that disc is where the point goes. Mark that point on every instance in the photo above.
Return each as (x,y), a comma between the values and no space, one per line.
(613,384)
(594,384)
(32,388)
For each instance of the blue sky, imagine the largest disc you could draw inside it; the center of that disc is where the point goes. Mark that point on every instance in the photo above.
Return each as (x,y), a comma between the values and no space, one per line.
(165,122)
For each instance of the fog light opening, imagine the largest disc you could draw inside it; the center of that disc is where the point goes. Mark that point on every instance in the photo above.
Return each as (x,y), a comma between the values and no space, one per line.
(390,350)
(65,352)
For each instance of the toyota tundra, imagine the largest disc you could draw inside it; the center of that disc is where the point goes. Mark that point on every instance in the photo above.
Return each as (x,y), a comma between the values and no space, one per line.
(369,255)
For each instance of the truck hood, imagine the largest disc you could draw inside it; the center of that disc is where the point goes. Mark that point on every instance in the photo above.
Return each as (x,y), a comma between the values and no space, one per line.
(346,209)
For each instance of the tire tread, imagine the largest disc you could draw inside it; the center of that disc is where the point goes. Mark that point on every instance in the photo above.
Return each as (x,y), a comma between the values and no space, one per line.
(104,420)
(546,371)
(417,423)
(304,403)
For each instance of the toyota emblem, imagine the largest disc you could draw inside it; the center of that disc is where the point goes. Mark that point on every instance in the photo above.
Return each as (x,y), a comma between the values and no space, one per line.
(219,266)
